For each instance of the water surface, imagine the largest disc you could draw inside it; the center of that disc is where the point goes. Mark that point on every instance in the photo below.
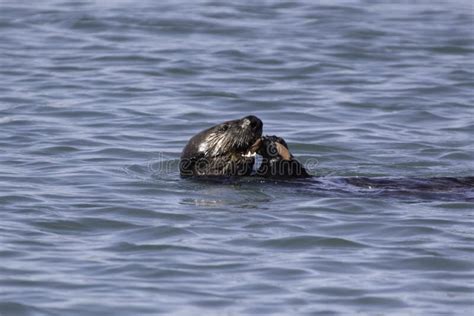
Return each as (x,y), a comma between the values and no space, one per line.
(99,97)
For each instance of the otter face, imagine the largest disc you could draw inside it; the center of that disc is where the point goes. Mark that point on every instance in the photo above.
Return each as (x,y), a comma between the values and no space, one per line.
(277,161)
(225,149)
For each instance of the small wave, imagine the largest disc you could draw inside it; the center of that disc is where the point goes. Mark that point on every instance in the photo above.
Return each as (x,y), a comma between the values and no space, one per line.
(308,242)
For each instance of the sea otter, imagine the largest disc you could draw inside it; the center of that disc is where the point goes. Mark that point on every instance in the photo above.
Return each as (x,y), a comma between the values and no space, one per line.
(229,149)
(226,149)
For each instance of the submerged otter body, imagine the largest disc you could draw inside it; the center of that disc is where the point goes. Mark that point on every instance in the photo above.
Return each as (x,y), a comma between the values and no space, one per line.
(222,150)
(278,162)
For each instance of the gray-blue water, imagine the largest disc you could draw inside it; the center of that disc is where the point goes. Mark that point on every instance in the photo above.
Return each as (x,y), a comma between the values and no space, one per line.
(97,99)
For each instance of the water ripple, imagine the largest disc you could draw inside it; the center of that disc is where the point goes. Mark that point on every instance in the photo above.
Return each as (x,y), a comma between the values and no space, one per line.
(99,97)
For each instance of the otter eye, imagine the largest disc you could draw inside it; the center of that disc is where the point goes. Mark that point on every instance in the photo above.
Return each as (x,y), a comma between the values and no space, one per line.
(253,124)
(224,127)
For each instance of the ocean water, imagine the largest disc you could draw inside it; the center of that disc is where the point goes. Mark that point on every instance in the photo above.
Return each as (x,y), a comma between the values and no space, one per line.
(99,97)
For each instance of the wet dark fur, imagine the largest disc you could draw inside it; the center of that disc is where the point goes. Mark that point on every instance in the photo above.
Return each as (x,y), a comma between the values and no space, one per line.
(219,150)
(274,165)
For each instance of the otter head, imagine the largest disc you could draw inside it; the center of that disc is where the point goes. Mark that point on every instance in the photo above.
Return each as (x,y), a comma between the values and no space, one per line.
(277,160)
(222,150)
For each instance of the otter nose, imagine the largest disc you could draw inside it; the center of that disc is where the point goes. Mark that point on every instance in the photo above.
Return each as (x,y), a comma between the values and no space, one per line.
(254,122)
